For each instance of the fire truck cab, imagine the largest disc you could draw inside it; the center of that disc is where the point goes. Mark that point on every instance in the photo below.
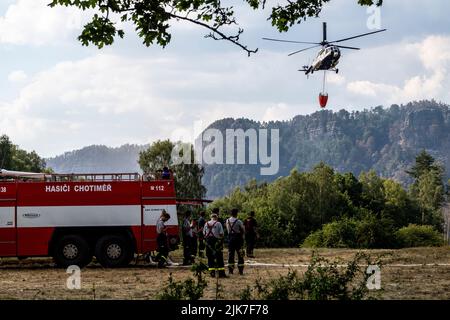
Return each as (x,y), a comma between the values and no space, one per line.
(75,217)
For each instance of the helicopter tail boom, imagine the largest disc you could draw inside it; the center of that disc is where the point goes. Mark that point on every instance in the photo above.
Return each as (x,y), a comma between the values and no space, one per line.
(307,70)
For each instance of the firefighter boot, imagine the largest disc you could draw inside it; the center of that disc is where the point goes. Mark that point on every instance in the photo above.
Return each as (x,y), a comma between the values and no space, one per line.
(241,271)
(230,270)
(213,273)
(222,274)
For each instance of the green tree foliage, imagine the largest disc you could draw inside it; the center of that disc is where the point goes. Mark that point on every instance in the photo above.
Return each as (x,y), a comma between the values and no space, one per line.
(324,208)
(424,164)
(156,156)
(6,152)
(419,236)
(153,19)
(398,205)
(188,176)
(428,188)
(430,196)
(14,158)
(362,232)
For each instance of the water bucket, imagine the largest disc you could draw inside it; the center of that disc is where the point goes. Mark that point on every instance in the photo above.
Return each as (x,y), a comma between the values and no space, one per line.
(323,99)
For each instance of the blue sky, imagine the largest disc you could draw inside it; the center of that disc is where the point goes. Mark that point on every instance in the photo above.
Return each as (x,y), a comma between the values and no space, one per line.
(57,95)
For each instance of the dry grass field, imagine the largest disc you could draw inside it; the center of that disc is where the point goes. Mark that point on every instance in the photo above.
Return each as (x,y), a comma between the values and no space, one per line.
(419,273)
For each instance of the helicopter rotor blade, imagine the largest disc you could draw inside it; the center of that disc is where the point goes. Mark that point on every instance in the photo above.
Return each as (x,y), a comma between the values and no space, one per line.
(358,36)
(345,47)
(304,50)
(279,40)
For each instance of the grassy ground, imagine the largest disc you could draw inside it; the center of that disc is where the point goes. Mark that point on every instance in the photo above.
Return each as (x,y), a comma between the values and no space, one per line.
(420,273)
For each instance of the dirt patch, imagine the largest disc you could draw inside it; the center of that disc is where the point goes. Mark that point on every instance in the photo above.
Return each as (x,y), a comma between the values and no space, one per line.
(420,273)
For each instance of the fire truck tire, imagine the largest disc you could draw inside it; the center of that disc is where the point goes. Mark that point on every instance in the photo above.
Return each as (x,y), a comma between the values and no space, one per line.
(114,251)
(72,250)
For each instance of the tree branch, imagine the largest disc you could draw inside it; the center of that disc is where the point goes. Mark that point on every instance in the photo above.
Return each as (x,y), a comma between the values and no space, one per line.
(233,39)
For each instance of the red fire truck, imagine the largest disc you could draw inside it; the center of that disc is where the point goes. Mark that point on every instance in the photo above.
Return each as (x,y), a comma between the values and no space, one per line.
(75,217)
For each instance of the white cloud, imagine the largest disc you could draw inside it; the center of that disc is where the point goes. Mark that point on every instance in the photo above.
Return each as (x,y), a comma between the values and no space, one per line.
(334,78)
(34,22)
(432,82)
(280,112)
(109,99)
(17,76)
(368,88)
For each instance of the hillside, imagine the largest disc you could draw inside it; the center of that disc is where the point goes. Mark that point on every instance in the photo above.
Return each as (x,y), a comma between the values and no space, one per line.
(386,140)
(95,158)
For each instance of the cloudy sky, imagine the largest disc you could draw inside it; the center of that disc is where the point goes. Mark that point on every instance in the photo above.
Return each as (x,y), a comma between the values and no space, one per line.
(57,95)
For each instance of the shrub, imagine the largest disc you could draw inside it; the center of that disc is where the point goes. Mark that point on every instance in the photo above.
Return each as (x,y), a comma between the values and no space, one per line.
(340,234)
(188,289)
(323,280)
(314,240)
(418,236)
(183,290)
(368,232)
(372,232)
(337,234)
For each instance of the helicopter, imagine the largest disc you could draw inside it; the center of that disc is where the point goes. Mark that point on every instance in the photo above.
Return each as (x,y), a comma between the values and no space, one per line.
(327,58)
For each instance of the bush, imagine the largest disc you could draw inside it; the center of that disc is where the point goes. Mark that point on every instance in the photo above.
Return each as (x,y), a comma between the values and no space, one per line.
(314,240)
(372,233)
(418,236)
(185,290)
(188,289)
(337,234)
(340,234)
(323,280)
(368,232)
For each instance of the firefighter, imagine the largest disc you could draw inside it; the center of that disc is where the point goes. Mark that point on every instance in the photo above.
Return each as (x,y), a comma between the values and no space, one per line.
(251,233)
(187,239)
(165,173)
(194,228)
(213,232)
(201,238)
(236,231)
(161,240)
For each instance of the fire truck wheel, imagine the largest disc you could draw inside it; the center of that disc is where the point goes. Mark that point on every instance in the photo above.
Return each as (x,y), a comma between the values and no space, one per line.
(72,250)
(113,251)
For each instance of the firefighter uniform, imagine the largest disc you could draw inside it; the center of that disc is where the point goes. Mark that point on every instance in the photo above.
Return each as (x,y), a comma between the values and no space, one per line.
(201,237)
(161,240)
(194,242)
(251,234)
(187,241)
(235,228)
(213,232)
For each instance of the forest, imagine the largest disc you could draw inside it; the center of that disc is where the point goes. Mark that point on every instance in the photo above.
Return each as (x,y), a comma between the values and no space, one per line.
(325,208)
(383,139)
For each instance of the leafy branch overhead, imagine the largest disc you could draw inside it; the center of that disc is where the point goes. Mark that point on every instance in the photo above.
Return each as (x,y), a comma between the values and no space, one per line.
(152,19)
